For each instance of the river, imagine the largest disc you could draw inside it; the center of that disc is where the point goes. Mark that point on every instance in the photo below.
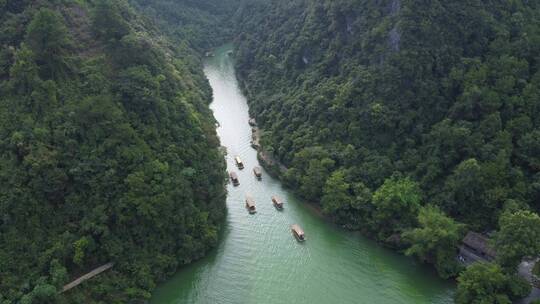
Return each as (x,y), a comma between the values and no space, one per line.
(259,261)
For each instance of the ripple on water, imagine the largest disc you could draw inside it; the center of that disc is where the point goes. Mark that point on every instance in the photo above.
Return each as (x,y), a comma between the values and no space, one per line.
(259,261)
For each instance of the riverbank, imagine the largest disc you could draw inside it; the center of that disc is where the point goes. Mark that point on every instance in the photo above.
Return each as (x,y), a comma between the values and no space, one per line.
(258,260)
(276,168)
(273,166)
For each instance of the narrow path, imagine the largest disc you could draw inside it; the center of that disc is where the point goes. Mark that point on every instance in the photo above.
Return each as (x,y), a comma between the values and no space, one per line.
(525,270)
(87,276)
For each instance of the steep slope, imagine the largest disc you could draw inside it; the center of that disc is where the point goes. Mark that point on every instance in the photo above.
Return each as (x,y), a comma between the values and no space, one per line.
(203,24)
(446,93)
(108,153)
(395,115)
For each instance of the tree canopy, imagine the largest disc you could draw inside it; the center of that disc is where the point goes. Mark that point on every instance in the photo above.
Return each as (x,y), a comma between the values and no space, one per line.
(108,153)
(369,89)
(376,108)
(435,240)
(484,283)
(518,237)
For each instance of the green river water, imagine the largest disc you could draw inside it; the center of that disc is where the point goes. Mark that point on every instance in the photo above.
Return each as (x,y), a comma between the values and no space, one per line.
(259,261)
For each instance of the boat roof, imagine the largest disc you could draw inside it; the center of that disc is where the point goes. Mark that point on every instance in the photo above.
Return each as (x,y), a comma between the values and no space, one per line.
(233,175)
(250,202)
(297,228)
(277,199)
(257,169)
(480,243)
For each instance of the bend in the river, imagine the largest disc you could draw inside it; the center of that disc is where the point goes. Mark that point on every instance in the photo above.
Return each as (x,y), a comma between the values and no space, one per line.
(259,261)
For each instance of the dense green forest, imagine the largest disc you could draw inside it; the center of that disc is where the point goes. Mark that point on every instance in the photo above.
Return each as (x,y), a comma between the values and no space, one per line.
(108,152)
(413,121)
(202,24)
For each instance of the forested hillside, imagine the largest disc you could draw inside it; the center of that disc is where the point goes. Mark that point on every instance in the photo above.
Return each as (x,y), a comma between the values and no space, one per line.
(413,121)
(203,24)
(108,153)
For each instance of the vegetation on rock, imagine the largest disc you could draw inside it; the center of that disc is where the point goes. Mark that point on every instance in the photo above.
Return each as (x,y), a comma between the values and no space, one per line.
(487,283)
(408,120)
(411,121)
(108,153)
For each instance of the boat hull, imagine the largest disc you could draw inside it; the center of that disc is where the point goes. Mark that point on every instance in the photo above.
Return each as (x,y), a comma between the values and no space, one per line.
(298,238)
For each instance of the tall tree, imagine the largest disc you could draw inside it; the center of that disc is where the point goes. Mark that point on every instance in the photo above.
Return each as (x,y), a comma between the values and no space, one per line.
(436,240)
(486,283)
(337,193)
(396,205)
(48,38)
(99,165)
(518,236)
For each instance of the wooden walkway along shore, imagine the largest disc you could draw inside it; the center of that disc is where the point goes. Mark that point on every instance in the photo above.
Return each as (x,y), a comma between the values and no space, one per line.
(87,276)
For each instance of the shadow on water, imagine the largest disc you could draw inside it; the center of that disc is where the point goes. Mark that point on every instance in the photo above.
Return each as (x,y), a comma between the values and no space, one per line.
(258,260)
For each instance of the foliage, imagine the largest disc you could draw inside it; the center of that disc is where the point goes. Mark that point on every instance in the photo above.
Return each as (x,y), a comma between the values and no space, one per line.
(41,294)
(203,24)
(108,23)
(347,203)
(48,39)
(336,193)
(445,93)
(108,153)
(518,237)
(487,283)
(518,286)
(436,240)
(369,89)
(396,204)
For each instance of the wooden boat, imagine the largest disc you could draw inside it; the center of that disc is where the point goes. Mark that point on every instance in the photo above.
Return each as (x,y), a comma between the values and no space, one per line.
(239,162)
(278,203)
(298,233)
(258,172)
(234,178)
(250,205)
